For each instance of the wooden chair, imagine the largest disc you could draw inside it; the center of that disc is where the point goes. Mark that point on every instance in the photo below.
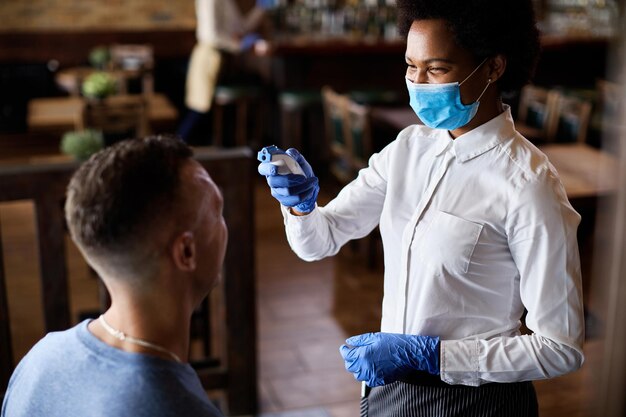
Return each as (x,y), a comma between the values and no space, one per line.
(605,119)
(358,130)
(335,116)
(301,123)
(549,115)
(535,112)
(610,100)
(348,129)
(349,132)
(568,119)
(233,369)
(45,184)
(118,117)
(134,61)
(583,168)
(246,101)
(235,372)
(359,135)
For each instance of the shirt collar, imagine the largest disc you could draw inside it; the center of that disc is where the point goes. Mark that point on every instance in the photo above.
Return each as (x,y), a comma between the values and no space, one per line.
(443,141)
(483,138)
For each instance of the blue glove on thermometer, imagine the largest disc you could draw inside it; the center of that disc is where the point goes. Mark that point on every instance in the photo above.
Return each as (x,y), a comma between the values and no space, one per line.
(290,178)
(382,358)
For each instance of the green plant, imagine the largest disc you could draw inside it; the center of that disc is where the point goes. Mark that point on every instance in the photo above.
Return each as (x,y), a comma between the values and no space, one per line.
(99,85)
(99,57)
(82,144)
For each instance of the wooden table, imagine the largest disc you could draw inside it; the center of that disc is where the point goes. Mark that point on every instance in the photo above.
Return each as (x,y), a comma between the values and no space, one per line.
(585,171)
(589,176)
(70,79)
(63,113)
(57,113)
(394,117)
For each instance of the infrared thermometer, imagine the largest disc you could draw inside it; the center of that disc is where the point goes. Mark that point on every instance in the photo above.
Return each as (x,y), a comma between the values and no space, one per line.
(276,156)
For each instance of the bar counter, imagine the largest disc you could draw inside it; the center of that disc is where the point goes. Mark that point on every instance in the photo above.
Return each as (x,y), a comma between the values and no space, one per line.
(345,63)
(309,62)
(328,46)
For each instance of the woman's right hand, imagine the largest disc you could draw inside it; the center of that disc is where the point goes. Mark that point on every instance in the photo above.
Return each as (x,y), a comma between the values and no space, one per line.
(291,190)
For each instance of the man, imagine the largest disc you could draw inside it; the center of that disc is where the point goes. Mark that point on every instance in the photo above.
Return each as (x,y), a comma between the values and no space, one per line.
(148,219)
(475,223)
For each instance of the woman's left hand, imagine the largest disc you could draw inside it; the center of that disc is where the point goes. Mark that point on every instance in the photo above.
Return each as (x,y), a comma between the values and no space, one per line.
(382,358)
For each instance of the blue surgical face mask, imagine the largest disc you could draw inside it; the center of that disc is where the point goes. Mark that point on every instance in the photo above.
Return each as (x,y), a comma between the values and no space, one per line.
(439,105)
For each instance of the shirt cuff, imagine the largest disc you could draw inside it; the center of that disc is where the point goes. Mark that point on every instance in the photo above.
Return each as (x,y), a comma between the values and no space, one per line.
(298,224)
(460,362)
(287,214)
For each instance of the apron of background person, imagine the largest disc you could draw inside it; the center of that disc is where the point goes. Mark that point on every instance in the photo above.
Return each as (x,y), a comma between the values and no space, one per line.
(204,69)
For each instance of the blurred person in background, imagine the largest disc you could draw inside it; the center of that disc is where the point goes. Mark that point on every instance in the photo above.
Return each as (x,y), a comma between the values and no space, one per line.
(221,32)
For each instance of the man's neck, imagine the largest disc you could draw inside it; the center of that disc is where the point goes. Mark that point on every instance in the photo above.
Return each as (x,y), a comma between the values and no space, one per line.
(163,323)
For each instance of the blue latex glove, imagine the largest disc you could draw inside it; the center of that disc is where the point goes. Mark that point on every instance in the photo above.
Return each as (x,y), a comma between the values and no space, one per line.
(291,190)
(382,358)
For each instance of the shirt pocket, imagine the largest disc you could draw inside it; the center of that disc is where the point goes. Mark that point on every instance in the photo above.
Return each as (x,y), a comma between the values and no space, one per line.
(449,243)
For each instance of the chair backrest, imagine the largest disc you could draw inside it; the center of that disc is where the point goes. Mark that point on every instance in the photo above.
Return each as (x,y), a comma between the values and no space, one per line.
(134,61)
(552,116)
(44,183)
(359,133)
(233,170)
(536,107)
(610,102)
(569,121)
(132,56)
(335,116)
(118,117)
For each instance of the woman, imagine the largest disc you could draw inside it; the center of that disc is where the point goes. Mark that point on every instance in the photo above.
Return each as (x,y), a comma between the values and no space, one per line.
(475,223)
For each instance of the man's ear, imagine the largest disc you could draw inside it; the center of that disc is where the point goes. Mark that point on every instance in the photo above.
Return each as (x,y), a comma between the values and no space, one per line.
(497,66)
(184,252)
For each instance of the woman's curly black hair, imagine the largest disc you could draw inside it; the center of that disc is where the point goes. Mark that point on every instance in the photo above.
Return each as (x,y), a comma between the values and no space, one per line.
(485,28)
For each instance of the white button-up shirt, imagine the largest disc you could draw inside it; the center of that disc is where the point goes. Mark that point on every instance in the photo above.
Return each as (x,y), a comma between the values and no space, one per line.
(474,230)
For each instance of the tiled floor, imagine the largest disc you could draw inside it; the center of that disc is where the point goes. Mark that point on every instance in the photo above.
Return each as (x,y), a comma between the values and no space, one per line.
(299,338)
(305,311)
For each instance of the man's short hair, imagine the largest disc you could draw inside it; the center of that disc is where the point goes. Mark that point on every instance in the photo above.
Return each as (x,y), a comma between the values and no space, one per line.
(485,28)
(121,194)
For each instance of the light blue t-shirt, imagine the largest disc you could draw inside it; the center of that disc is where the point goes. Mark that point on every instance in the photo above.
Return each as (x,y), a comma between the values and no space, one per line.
(74,374)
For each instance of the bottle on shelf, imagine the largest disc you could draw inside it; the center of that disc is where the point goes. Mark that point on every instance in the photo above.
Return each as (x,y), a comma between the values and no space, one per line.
(360,19)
